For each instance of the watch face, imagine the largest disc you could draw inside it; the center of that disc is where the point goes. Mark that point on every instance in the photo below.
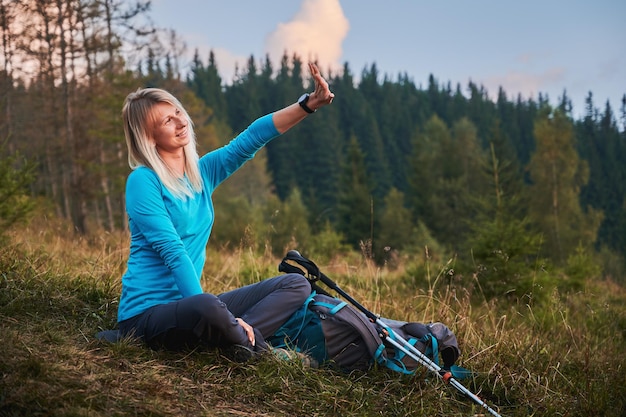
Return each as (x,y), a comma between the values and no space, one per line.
(302,102)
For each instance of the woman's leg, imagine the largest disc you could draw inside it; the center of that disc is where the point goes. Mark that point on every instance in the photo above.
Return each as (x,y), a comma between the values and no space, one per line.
(267,305)
(200,320)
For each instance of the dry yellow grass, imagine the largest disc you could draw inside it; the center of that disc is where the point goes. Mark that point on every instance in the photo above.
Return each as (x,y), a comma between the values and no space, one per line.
(561,357)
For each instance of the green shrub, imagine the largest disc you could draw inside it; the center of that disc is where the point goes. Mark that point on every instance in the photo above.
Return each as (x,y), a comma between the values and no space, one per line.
(580,266)
(16,174)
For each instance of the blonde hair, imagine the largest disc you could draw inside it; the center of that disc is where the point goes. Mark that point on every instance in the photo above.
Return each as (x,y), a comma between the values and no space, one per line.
(142,151)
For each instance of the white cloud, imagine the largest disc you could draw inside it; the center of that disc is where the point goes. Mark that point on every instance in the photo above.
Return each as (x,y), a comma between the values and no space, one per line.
(527,84)
(316,33)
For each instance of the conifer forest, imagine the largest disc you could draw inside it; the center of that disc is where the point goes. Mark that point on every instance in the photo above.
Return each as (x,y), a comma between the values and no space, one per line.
(391,167)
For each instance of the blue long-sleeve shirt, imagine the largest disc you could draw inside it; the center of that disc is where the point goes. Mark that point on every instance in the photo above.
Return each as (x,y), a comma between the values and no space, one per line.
(169,234)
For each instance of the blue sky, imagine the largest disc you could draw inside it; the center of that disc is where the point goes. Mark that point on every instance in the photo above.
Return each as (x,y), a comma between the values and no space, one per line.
(526,47)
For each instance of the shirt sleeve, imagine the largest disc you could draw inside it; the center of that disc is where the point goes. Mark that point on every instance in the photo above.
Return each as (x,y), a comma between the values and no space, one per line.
(146,208)
(222,162)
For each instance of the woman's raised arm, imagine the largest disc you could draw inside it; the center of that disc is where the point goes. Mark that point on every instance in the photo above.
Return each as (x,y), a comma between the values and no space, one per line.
(293,114)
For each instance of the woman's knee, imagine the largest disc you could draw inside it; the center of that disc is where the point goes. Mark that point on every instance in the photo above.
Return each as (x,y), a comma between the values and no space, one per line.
(206,306)
(298,284)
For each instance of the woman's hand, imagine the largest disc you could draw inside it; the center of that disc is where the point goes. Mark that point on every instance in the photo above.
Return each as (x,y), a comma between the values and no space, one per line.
(248,329)
(286,118)
(322,95)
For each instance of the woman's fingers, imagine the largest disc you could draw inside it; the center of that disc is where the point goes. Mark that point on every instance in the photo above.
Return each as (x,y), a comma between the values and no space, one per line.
(248,329)
(322,91)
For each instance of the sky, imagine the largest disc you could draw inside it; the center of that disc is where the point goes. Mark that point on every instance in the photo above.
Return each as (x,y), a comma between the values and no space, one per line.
(526,47)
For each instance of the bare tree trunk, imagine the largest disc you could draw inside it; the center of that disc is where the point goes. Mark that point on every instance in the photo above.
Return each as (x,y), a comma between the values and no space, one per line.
(6,19)
(73,171)
(68,165)
(108,8)
(55,168)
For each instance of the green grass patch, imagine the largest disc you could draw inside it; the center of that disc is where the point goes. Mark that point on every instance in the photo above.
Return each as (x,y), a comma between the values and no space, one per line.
(561,357)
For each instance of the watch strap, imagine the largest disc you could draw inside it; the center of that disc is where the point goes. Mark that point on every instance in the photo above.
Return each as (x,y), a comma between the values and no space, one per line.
(303,103)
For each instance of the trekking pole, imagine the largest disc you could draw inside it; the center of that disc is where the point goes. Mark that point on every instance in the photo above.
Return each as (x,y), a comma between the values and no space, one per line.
(446,376)
(386,333)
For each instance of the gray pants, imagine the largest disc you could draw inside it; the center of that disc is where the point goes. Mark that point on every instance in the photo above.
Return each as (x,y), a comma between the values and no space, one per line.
(209,320)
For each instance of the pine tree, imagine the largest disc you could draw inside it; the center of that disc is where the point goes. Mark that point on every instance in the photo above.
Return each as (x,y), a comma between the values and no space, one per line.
(603,149)
(436,183)
(355,211)
(425,170)
(396,117)
(283,154)
(16,175)
(243,97)
(206,83)
(557,175)
(503,246)
(396,228)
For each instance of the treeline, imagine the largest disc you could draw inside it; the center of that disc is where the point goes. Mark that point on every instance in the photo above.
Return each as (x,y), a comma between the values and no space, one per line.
(389,168)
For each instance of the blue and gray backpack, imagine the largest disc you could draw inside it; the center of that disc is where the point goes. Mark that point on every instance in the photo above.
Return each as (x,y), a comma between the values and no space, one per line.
(332,332)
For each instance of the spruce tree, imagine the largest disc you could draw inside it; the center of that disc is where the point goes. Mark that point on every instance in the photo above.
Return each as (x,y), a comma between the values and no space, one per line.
(243,97)
(16,175)
(557,174)
(283,155)
(206,83)
(503,247)
(355,210)
(396,228)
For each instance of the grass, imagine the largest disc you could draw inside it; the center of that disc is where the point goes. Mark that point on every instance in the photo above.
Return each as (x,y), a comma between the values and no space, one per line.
(561,357)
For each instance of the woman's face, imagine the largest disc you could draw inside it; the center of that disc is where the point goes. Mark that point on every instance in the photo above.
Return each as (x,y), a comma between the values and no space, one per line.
(169,127)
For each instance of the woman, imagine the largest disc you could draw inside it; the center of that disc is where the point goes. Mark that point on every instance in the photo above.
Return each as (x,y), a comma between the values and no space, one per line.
(170,211)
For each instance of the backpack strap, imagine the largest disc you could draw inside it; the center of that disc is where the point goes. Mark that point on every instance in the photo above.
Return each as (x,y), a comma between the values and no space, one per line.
(396,360)
(288,333)
(459,372)
(396,363)
(432,348)
(332,308)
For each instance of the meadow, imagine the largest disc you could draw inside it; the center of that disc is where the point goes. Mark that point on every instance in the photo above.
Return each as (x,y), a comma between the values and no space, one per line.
(549,353)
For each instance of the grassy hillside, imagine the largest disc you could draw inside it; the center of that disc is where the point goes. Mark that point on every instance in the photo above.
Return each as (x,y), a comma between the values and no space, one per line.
(563,356)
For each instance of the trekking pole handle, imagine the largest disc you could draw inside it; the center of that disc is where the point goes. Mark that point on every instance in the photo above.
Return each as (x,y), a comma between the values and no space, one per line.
(313,271)
(373,317)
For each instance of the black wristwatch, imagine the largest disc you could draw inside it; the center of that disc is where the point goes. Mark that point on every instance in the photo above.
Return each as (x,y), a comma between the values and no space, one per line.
(304,98)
